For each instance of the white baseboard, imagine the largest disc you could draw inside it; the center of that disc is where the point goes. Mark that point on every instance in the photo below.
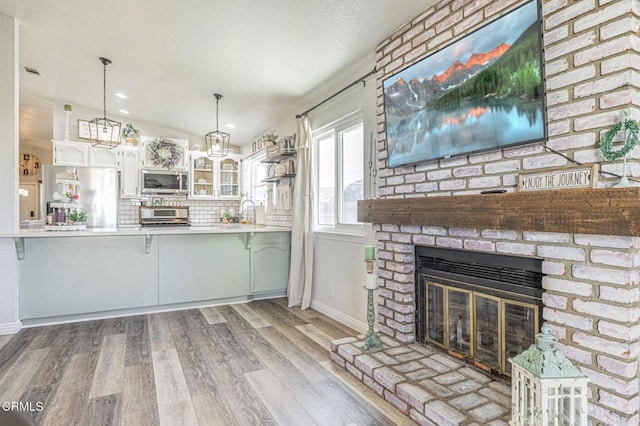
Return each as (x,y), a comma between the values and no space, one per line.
(10,328)
(339,316)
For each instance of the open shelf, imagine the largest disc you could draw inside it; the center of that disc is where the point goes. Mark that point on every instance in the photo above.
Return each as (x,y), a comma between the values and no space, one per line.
(280,157)
(278,178)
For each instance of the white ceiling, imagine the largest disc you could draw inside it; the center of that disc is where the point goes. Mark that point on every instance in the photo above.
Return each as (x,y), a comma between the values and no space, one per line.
(170,56)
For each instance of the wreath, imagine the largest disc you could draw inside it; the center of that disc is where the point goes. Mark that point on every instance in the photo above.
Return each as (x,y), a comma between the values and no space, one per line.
(164,153)
(630,138)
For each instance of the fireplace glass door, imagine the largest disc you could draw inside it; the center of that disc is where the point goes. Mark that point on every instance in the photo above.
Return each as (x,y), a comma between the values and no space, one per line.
(483,328)
(459,313)
(521,325)
(435,314)
(487,319)
(449,318)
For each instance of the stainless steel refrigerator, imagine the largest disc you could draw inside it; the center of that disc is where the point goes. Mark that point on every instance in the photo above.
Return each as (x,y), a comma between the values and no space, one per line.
(97,190)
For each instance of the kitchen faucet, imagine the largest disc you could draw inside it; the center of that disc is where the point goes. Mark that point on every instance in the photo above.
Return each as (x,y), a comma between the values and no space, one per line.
(245,212)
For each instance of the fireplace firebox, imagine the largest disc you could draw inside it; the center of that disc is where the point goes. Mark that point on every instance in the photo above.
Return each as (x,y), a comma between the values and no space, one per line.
(482,307)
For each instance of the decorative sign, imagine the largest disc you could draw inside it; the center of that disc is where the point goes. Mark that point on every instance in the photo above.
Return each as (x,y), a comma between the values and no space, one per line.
(565,178)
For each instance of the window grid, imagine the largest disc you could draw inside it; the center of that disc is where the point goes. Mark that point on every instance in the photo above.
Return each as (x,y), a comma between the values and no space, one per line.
(336,195)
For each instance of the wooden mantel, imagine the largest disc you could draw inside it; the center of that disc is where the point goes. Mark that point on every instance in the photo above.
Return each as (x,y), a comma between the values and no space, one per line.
(611,211)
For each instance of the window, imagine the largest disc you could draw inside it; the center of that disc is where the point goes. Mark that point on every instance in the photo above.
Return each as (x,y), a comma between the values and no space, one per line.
(254,172)
(339,177)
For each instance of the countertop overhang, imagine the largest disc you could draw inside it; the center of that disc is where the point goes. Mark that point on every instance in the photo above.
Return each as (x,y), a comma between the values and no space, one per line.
(150,230)
(607,211)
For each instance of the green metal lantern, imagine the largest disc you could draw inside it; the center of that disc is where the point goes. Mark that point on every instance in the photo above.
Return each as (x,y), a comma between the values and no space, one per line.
(546,388)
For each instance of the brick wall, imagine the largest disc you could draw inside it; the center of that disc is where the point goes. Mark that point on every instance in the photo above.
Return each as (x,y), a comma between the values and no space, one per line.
(592,286)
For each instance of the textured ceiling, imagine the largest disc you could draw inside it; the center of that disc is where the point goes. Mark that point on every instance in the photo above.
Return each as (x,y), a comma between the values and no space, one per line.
(170,56)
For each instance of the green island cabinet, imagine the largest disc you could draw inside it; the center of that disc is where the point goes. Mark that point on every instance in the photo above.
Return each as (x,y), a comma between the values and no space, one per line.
(270,257)
(66,276)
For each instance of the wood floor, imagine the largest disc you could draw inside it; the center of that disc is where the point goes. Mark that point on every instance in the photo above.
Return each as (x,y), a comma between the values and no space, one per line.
(259,363)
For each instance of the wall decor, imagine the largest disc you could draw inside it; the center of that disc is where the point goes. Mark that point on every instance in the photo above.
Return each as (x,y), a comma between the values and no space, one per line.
(83,130)
(29,164)
(482,92)
(164,152)
(630,140)
(564,178)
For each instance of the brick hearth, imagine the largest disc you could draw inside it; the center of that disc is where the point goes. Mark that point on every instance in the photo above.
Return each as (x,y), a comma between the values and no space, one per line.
(426,384)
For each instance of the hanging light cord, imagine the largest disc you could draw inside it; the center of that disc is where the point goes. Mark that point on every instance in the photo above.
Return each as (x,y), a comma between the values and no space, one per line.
(217,101)
(104,89)
(218,97)
(105,62)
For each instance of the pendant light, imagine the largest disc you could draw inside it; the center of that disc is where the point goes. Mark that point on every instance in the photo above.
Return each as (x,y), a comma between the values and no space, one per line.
(217,142)
(104,132)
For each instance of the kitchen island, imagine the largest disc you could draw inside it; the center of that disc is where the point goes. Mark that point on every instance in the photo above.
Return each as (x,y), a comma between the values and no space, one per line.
(95,273)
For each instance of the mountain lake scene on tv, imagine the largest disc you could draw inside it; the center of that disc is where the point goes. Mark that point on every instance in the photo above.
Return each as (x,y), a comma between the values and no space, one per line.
(482,92)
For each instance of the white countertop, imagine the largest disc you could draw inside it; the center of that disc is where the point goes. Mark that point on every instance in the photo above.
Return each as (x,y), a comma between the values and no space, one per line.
(138,230)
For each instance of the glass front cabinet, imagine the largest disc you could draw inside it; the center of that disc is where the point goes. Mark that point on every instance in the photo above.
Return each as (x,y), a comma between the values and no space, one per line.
(202,176)
(214,178)
(229,177)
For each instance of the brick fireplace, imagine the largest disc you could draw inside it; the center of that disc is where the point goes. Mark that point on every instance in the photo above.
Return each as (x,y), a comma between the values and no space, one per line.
(589,245)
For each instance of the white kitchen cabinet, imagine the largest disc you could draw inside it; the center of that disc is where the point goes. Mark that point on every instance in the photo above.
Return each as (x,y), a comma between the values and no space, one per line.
(103,157)
(129,172)
(202,176)
(214,178)
(82,154)
(71,153)
(270,257)
(228,177)
(181,145)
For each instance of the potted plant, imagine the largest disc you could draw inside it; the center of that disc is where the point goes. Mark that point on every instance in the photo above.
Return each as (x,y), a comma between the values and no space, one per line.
(77,216)
(130,134)
(270,138)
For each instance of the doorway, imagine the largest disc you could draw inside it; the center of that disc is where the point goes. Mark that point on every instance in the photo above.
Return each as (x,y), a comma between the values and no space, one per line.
(29,201)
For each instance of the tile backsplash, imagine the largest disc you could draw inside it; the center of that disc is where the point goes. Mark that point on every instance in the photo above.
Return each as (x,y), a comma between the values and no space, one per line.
(201,212)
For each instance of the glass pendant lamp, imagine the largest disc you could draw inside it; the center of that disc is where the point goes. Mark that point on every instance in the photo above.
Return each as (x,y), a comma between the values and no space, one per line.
(104,132)
(217,142)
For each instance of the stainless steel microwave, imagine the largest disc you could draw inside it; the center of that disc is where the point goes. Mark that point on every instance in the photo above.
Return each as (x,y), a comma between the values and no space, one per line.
(165,182)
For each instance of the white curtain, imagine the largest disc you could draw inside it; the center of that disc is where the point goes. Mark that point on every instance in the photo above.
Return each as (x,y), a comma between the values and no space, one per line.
(301,269)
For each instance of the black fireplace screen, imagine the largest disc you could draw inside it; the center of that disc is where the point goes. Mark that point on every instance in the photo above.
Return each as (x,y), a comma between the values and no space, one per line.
(479,306)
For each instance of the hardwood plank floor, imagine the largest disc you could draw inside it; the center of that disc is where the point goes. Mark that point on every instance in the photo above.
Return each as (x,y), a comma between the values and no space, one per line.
(260,363)
(109,376)
(174,401)
(213,315)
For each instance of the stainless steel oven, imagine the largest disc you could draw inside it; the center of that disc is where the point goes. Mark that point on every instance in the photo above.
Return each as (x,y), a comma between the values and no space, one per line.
(165,182)
(163,216)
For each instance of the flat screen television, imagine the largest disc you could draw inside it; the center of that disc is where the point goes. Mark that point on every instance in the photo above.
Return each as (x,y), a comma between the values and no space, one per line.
(480,93)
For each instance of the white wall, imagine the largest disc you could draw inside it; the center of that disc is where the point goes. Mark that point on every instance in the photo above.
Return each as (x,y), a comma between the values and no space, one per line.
(8,172)
(9,122)
(339,270)
(80,112)
(338,259)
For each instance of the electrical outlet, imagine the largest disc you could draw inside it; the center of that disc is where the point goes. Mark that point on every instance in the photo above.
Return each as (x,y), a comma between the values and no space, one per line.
(331,291)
